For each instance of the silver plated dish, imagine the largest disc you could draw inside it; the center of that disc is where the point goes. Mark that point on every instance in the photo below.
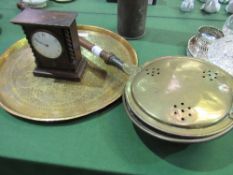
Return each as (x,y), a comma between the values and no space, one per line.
(218,52)
(198,44)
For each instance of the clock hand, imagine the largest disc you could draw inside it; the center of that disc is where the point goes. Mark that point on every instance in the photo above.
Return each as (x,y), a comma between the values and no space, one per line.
(46,45)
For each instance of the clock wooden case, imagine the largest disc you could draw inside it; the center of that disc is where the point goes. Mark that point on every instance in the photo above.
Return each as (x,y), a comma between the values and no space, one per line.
(54,41)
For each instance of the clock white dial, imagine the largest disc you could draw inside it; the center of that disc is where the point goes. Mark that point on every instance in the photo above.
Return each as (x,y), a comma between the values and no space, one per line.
(46,44)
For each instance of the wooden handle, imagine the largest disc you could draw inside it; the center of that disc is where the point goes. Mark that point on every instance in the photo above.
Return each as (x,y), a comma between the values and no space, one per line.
(108,57)
(90,46)
(86,44)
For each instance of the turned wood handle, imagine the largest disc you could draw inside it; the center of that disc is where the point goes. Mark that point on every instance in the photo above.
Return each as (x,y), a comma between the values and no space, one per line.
(91,47)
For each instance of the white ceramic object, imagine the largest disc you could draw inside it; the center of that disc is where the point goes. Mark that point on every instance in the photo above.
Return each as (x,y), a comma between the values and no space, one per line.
(187,5)
(228,26)
(211,6)
(35,3)
(223,1)
(229,7)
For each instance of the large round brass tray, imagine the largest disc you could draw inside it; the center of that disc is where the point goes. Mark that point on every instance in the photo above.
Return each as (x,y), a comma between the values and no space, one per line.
(47,99)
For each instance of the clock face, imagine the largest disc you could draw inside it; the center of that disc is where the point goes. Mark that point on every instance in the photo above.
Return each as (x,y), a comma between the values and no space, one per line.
(46,44)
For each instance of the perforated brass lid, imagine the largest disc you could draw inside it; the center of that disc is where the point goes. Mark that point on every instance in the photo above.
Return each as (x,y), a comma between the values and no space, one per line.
(182,96)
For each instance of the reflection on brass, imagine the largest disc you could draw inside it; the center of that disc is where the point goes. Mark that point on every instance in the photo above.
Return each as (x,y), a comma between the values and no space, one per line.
(47,99)
(182,96)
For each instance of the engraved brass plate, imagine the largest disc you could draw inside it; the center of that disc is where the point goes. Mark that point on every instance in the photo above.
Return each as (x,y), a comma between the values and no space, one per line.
(49,100)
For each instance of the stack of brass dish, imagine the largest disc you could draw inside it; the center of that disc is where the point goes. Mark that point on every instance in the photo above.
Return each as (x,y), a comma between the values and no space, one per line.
(180,99)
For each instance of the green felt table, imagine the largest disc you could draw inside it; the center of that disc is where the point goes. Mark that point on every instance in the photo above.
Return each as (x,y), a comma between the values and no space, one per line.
(107,142)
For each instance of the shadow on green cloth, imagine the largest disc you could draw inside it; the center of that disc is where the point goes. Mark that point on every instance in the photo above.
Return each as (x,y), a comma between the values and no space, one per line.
(16,167)
(201,157)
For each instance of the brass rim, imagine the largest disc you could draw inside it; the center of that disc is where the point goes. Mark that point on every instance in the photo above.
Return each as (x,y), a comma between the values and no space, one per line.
(168,137)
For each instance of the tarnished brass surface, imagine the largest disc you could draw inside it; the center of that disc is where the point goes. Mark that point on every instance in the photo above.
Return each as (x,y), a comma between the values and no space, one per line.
(47,99)
(182,96)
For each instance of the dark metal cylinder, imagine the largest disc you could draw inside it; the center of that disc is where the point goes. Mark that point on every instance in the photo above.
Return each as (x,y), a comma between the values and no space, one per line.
(132,18)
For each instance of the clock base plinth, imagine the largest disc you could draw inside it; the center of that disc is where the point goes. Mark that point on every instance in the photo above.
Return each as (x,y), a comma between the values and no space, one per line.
(61,74)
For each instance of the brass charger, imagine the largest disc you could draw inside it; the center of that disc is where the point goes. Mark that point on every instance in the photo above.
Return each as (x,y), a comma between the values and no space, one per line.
(49,100)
